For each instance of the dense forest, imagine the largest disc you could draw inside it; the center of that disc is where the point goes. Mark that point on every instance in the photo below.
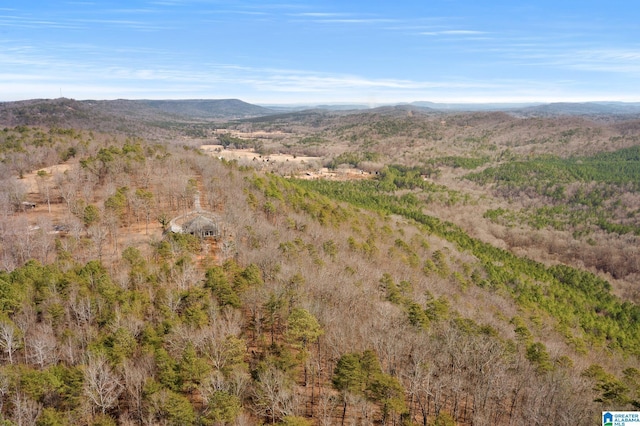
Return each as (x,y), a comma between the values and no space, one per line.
(463,268)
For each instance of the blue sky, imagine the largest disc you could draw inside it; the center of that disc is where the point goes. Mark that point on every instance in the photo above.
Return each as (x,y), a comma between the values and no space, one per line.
(307,51)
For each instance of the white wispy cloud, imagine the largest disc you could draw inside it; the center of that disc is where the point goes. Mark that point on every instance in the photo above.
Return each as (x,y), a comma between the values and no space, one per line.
(145,13)
(257,84)
(22,77)
(319,14)
(79,23)
(45,73)
(453,33)
(299,81)
(570,54)
(35,23)
(606,60)
(124,23)
(355,21)
(171,3)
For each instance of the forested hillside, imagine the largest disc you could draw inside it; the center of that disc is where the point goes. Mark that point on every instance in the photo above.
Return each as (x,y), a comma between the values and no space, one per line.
(427,269)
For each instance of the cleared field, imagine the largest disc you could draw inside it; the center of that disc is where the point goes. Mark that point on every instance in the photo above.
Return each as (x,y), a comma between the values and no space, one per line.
(303,167)
(249,154)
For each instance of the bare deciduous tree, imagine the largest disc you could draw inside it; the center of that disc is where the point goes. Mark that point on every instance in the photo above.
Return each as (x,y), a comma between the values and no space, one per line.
(101,385)
(98,234)
(42,346)
(4,388)
(25,410)
(135,374)
(9,339)
(185,274)
(274,396)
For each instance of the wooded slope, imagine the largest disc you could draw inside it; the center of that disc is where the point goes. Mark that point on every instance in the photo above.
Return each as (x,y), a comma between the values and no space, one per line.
(368,301)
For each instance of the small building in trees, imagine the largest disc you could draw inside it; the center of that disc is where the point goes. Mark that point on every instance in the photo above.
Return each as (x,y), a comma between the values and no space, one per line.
(199,223)
(201,226)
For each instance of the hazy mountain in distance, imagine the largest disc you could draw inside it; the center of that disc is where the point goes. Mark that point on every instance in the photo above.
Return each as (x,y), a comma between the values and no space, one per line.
(208,108)
(471,106)
(328,107)
(123,115)
(583,108)
(540,109)
(153,116)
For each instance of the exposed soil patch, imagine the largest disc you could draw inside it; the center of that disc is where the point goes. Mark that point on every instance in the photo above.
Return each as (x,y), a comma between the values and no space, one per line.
(249,154)
(30,179)
(302,167)
(258,134)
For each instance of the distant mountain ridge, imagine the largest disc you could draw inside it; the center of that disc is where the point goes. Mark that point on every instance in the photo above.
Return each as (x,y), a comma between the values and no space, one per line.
(504,106)
(208,108)
(520,108)
(154,119)
(583,108)
(157,117)
(554,108)
(72,113)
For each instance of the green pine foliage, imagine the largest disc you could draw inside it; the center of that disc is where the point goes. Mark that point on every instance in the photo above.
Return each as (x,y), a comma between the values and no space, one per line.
(361,374)
(594,201)
(468,163)
(619,167)
(598,316)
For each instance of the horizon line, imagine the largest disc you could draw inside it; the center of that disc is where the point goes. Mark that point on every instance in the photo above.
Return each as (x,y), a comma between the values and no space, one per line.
(370,104)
